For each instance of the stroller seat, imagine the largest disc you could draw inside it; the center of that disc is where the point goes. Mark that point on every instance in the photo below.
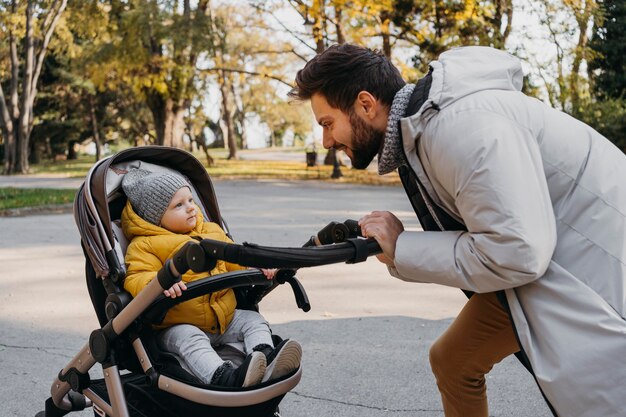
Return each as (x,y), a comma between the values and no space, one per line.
(153,382)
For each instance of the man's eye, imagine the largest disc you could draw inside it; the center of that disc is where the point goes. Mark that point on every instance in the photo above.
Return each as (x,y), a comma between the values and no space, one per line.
(179,205)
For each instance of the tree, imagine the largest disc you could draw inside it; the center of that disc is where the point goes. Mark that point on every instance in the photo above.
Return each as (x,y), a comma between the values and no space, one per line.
(196,121)
(153,49)
(325,20)
(224,79)
(436,26)
(608,69)
(249,66)
(62,111)
(29,28)
(422,27)
(606,111)
(565,25)
(71,108)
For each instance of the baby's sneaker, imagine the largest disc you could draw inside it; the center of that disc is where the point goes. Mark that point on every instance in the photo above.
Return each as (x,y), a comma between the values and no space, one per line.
(283,359)
(249,373)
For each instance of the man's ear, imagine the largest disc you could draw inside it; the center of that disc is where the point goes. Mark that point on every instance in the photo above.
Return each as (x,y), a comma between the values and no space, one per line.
(366,105)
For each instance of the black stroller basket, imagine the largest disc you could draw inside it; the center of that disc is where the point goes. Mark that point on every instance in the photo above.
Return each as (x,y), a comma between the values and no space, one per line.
(156,384)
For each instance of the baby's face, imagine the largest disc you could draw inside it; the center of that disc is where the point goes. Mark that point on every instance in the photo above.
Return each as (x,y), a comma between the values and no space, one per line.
(180,216)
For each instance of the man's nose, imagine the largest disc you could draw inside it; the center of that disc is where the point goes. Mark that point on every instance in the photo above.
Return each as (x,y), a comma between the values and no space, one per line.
(327,141)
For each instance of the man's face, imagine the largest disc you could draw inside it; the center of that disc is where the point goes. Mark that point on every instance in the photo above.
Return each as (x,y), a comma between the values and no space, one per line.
(347,132)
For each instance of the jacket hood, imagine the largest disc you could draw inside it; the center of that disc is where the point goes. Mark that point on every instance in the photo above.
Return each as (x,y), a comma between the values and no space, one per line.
(134,225)
(463,71)
(458,73)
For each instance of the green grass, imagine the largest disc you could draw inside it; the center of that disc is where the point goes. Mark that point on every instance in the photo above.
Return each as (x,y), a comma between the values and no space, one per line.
(73,168)
(13,198)
(222,169)
(291,170)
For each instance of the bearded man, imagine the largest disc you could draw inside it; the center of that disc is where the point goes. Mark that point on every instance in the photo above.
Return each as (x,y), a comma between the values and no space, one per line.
(522,206)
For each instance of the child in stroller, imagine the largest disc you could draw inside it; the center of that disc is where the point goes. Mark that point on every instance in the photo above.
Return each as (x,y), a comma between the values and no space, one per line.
(139,378)
(160,216)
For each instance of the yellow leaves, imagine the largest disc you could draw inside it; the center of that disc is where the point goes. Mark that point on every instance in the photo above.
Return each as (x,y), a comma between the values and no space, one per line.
(14,22)
(160,86)
(580,5)
(371,9)
(408,71)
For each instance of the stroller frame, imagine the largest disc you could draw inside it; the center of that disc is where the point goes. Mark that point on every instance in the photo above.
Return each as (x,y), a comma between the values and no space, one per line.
(122,317)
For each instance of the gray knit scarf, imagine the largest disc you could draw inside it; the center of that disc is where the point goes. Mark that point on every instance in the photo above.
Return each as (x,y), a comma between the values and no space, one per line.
(391,155)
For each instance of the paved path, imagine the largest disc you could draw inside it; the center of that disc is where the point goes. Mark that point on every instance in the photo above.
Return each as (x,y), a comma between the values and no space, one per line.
(365,340)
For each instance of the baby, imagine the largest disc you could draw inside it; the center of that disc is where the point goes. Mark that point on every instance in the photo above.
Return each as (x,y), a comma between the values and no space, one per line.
(159,218)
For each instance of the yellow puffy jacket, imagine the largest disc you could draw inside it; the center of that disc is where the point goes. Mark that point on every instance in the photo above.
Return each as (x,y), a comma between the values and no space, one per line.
(150,246)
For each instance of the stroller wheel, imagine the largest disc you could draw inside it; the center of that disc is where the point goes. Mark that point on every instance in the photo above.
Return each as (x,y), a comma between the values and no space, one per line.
(41,414)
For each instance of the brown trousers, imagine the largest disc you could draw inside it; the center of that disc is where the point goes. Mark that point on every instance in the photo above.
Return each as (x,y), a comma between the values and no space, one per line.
(481,336)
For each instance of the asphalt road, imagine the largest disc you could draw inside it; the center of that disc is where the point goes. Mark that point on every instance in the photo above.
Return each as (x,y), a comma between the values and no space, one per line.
(365,339)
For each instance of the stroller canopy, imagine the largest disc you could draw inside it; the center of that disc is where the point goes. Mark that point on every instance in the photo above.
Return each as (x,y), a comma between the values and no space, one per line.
(100,198)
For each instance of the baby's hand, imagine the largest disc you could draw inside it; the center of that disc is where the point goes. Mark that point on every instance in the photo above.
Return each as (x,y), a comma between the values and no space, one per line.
(269,273)
(176,290)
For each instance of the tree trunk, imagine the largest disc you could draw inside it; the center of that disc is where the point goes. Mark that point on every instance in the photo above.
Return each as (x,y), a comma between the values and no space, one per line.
(503,8)
(10,113)
(338,24)
(9,146)
(333,159)
(71,150)
(201,142)
(228,121)
(169,120)
(156,106)
(272,139)
(22,165)
(48,147)
(582,18)
(319,24)
(177,129)
(36,152)
(239,118)
(217,132)
(17,117)
(385,21)
(10,149)
(94,129)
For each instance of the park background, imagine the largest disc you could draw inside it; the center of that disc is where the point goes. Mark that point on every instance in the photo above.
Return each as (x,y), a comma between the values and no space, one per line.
(82,79)
(212,76)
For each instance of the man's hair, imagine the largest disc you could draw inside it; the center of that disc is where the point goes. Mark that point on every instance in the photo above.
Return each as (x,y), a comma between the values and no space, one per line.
(342,71)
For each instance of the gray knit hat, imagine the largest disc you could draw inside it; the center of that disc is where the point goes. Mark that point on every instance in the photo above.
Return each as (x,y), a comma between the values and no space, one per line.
(151,192)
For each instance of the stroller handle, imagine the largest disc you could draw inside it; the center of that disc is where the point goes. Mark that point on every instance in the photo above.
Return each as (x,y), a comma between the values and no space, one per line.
(336,242)
(257,256)
(244,278)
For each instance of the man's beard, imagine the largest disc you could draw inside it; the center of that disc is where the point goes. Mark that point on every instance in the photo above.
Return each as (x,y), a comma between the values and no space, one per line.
(366,142)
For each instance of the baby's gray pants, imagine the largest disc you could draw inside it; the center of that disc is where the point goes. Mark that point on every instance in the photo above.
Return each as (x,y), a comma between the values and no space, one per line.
(195,347)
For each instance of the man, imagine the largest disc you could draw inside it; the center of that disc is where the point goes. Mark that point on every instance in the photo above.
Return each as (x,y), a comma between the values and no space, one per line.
(522,205)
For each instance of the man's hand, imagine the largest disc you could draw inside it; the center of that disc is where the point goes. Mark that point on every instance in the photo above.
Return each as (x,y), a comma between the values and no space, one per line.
(176,290)
(385,228)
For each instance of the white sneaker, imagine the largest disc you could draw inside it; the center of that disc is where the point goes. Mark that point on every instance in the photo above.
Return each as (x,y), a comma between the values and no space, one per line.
(284,359)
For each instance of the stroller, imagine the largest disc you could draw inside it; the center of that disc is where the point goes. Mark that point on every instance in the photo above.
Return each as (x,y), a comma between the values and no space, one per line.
(139,378)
